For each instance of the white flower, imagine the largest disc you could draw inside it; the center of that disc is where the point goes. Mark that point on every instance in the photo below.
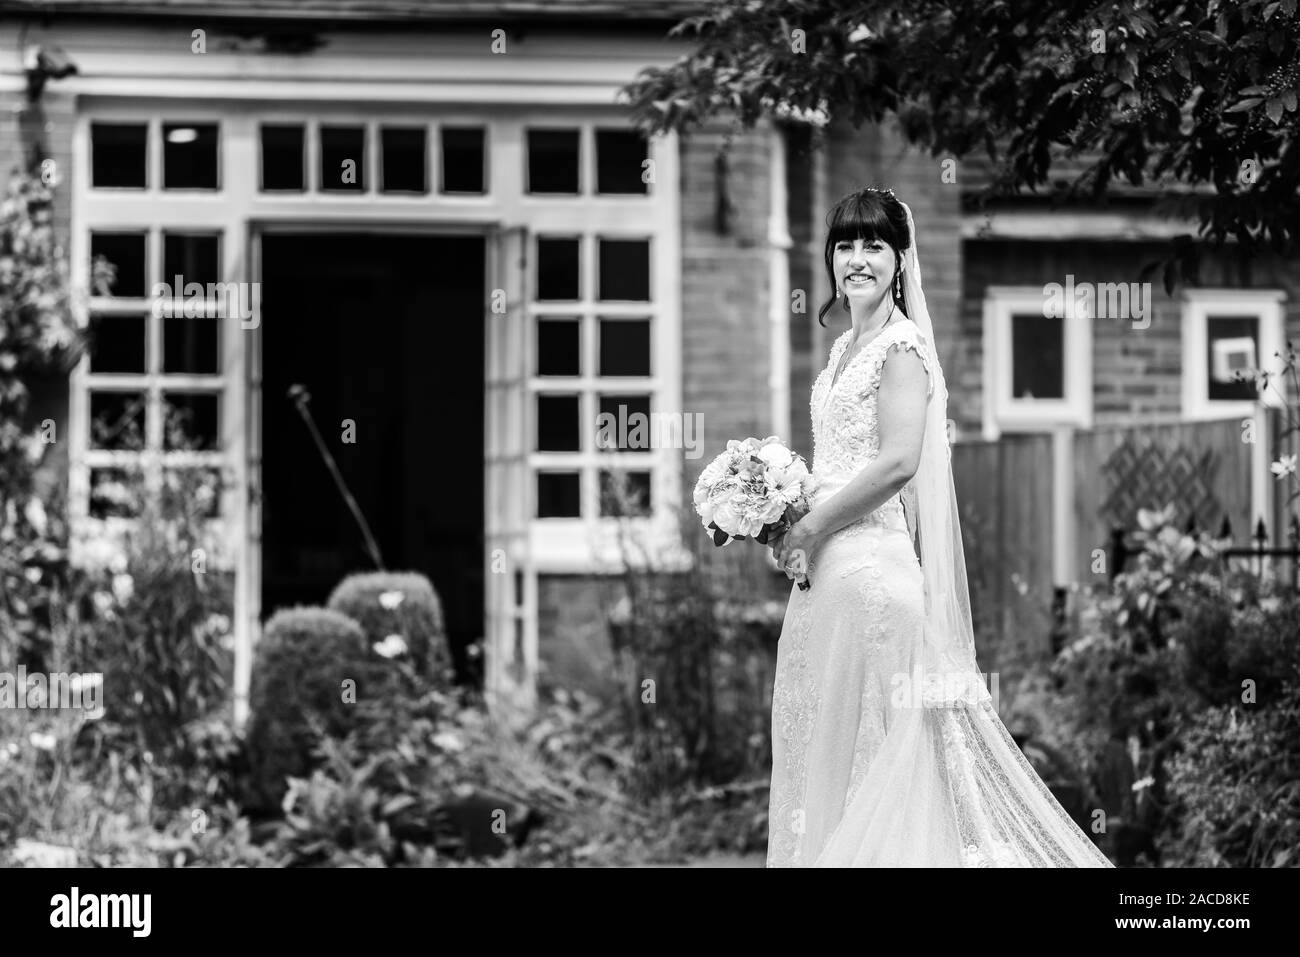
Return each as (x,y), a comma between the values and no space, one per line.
(35,449)
(390,647)
(123,588)
(38,854)
(860,32)
(448,741)
(1284,466)
(42,741)
(34,512)
(1143,783)
(1150,520)
(389,600)
(776,455)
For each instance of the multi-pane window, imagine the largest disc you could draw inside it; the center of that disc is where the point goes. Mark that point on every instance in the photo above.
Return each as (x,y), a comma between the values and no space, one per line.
(155,391)
(404,162)
(190,155)
(593,396)
(153,380)
(556,163)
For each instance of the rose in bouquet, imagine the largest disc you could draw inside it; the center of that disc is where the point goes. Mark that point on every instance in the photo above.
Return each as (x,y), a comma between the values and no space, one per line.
(757,489)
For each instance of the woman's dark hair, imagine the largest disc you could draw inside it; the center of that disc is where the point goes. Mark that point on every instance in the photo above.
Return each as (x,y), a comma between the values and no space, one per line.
(869,213)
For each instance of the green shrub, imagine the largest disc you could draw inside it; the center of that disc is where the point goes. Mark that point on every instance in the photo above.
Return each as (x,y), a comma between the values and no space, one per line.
(298,692)
(402,604)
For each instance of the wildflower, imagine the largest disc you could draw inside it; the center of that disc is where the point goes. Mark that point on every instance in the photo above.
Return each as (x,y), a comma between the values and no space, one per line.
(40,854)
(43,741)
(34,512)
(1284,466)
(1142,784)
(389,600)
(448,741)
(390,647)
(123,588)
(860,32)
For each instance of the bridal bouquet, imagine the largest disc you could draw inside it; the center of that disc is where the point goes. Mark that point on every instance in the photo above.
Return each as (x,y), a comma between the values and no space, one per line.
(756,488)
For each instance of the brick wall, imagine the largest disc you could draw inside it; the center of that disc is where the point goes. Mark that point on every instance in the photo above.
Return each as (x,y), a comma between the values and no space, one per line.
(877,155)
(574,649)
(1137,374)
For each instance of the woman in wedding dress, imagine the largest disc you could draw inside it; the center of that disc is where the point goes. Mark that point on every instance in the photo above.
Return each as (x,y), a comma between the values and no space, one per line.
(887,747)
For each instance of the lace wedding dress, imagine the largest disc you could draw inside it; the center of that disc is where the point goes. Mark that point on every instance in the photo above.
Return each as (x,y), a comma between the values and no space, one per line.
(859,778)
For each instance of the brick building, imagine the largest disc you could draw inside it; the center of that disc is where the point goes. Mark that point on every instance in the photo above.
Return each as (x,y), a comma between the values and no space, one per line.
(438,222)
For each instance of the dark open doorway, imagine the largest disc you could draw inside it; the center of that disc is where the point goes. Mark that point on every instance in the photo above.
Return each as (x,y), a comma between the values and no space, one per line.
(386,331)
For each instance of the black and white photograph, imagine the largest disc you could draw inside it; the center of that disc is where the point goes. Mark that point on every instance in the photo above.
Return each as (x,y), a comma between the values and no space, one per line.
(652,434)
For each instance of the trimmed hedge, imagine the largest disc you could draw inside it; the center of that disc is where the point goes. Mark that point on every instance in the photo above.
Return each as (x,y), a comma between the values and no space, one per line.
(303,659)
(402,604)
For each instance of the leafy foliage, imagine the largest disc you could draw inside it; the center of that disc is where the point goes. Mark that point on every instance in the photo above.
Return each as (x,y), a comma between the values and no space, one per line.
(37,329)
(304,660)
(1236,787)
(1181,647)
(1201,93)
(402,604)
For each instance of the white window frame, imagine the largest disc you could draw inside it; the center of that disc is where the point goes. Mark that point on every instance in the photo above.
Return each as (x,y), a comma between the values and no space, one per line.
(1002,412)
(1198,305)
(235,210)
(240,211)
(153,211)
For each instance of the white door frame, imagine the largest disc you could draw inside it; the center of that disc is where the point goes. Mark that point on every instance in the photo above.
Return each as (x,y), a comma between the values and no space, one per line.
(248,601)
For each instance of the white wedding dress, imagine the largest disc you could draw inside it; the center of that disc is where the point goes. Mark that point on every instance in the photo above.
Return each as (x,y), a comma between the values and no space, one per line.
(858,778)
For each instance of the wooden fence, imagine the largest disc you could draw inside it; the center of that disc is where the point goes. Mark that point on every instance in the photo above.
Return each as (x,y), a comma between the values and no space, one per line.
(1038,511)
(1004,494)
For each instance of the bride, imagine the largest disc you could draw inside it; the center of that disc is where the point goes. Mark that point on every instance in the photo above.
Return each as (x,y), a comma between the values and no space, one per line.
(887,749)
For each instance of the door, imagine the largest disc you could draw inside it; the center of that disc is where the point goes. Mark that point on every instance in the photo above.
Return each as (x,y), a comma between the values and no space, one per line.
(510,592)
